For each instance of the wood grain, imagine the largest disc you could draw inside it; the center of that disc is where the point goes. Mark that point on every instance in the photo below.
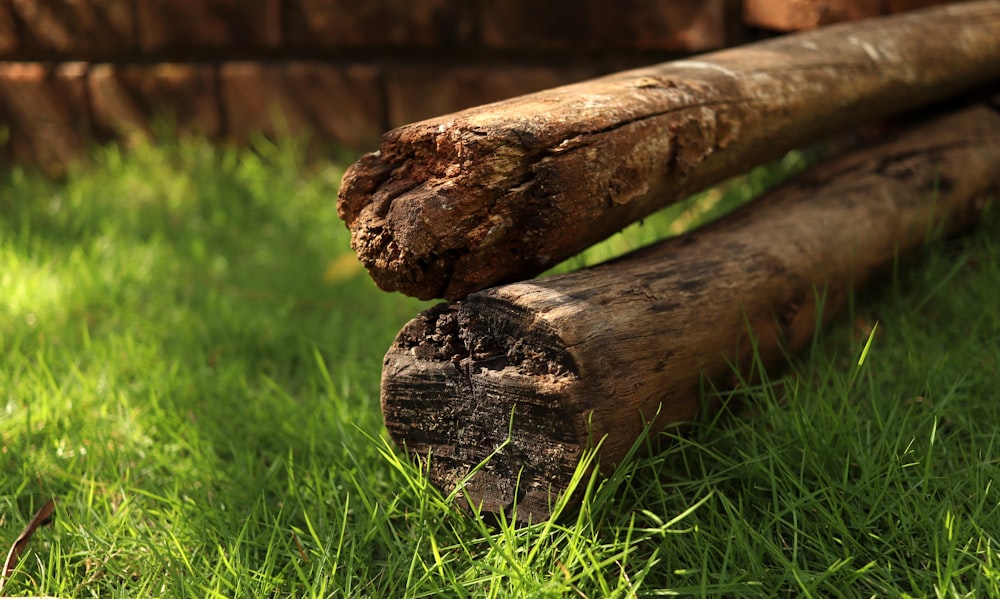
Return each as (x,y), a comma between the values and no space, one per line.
(552,365)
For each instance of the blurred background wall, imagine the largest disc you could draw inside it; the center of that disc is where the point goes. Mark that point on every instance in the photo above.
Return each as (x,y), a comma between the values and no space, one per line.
(75,71)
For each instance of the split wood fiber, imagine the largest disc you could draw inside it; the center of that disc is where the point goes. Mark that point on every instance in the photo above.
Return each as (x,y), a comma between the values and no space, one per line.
(501,192)
(563,361)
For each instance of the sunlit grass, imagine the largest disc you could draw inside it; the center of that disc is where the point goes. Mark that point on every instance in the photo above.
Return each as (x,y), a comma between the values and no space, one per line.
(191,360)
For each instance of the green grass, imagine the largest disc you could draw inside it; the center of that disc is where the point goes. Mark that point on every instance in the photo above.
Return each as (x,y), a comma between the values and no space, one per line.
(190,363)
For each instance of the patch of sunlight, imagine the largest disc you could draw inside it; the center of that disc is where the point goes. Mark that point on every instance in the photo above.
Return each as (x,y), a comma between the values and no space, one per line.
(31,290)
(695,214)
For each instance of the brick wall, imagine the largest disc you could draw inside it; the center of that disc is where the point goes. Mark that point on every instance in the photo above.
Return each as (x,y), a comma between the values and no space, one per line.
(345,70)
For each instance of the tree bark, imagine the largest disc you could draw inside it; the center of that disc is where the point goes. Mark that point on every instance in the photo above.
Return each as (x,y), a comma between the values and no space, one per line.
(563,361)
(501,192)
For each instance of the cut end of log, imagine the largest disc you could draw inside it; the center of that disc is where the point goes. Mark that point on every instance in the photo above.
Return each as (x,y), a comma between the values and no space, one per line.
(453,205)
(394,267)
(493,400)
(403,202)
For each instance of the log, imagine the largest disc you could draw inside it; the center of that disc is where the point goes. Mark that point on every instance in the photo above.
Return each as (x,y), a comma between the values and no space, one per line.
(552,365)
(501,192)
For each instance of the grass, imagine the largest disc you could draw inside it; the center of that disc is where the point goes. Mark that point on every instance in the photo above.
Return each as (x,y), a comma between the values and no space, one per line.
(190,363)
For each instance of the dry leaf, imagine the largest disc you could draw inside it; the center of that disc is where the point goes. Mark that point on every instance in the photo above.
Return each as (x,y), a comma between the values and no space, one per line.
(42,517)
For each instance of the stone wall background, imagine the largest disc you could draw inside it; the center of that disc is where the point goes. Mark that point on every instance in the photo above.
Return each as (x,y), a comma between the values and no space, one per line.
(75,71)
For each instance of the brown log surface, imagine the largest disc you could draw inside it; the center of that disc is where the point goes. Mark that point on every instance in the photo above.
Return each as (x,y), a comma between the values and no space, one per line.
(503,191)
(562,361)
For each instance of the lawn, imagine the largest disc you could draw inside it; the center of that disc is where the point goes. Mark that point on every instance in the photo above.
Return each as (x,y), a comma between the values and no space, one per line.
(190,365)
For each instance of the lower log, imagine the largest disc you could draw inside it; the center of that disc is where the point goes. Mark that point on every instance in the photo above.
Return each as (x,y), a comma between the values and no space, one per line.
(558,363)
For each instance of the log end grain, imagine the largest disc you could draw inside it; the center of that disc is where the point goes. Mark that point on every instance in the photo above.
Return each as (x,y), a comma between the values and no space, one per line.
(423,210)
(489,404)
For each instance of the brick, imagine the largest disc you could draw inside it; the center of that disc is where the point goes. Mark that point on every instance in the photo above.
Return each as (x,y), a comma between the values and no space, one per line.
(126,98)
(687,25)
(373,23)
(555,24)
(342,104)
(9,39)
(794,15)
(76,29)
(895,6)
(191,25)
(47,111)
(71,80)
(653,25)
(417,93)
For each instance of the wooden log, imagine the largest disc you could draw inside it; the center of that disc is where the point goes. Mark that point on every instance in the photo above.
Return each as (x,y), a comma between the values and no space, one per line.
(560,362)
(501,192)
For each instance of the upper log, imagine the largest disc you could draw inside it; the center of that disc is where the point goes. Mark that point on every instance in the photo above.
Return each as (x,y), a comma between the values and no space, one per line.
(545,368)
(503,191)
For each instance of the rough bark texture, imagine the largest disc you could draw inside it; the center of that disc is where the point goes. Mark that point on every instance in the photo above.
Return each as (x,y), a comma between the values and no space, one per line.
(501,192)
(563,361)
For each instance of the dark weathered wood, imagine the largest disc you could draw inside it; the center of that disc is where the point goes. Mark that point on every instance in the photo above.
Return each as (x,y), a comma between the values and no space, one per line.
(501,192)
(570,359)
